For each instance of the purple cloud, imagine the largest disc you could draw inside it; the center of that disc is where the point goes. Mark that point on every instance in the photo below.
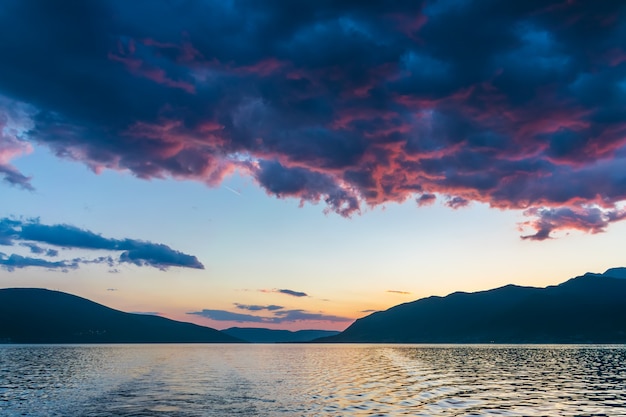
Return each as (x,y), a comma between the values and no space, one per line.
(587,219)
(255,307)
(457,202)
(348,104)
(281,316)
(426,199)
(12,125)
(223,315)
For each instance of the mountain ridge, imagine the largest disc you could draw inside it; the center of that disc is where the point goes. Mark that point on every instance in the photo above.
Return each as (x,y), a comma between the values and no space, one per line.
(37,315)
(585,309)
(263,335)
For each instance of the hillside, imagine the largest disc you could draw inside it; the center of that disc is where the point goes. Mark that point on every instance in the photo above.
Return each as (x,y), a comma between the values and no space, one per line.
(259,335)
(586,309)
(29,315)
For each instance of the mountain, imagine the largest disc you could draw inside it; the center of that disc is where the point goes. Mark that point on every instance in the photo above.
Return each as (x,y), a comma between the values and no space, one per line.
(30,315)
(586,309)
(257,335)
(612,273)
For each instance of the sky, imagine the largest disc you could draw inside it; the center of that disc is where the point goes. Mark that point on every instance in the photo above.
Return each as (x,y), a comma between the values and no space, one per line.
(297,165)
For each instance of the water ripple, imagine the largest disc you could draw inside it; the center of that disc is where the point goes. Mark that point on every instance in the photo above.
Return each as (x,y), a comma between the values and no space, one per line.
(312,380)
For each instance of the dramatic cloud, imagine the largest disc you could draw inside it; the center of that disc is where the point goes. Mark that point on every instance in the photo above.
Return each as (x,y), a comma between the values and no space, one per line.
(281,316)
(30,233)
(519,104)
(270,307)
(588,219)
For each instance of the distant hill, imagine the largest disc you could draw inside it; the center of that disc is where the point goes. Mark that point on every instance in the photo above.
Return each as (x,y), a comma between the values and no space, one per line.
(257,335)
(29,315)
(587,309)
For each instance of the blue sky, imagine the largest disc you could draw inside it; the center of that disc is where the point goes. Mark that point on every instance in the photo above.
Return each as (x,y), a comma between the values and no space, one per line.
(202,159)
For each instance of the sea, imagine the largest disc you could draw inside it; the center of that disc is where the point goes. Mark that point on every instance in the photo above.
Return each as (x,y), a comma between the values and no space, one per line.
(312,380)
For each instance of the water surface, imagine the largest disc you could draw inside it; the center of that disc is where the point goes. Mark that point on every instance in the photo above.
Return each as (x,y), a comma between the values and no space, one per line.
(312,380)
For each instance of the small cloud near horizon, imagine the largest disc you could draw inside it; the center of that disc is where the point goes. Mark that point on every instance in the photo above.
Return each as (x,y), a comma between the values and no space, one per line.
(255,307)
(277,317)
(286,292)
(398,292)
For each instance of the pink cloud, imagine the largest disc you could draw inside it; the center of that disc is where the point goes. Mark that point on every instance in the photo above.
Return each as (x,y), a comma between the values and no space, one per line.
(13,121)
(589,219)
(126,55)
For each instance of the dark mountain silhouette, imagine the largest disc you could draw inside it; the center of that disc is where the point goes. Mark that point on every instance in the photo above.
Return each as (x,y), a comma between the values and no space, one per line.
(259,335)
(29,315)
(586,309)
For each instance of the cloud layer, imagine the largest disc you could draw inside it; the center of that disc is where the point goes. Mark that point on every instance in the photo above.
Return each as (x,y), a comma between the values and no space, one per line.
(31,234)
(279,316)
(519,105)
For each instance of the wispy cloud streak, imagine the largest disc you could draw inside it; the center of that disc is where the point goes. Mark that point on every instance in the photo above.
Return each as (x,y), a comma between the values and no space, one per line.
(31,233)
(285,291)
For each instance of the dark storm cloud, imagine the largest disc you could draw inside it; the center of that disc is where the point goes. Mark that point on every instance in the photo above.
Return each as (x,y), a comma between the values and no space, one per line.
(31,233)
(519,105)
(281,316)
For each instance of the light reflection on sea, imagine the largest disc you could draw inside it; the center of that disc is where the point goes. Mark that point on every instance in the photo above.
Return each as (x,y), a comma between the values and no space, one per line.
(312,380)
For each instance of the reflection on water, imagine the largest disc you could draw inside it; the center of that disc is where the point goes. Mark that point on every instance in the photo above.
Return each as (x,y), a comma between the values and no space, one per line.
(312,380)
